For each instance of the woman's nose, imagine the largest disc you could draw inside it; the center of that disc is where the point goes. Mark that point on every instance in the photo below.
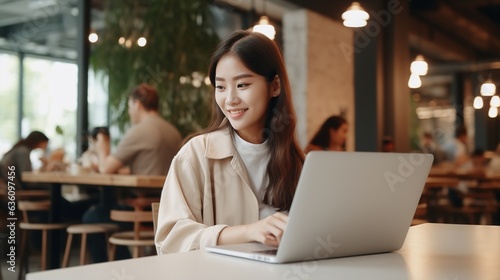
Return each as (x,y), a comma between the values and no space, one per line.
(232,97)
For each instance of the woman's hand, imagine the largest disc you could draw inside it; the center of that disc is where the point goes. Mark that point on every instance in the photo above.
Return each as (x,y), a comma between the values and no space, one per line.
(269,230)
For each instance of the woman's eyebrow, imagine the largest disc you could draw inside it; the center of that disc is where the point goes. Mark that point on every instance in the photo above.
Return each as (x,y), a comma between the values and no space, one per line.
(235,78)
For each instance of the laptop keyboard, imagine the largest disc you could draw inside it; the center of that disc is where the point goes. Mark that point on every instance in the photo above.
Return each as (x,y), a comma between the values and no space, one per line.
(267,252)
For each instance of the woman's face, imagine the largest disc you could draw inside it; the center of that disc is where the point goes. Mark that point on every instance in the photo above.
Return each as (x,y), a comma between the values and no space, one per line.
(43,145)
(243,96)
(339,137)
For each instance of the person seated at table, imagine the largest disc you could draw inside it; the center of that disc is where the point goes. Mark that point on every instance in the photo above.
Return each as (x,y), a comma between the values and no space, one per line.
(89,159)
(234,182)
(18,158)
(331,136)
(429,146)
(149,145)
(456,150)
(147,148)
(476,165)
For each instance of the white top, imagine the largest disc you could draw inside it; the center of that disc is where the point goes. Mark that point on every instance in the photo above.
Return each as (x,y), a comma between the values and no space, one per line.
(430,251)
(256,157)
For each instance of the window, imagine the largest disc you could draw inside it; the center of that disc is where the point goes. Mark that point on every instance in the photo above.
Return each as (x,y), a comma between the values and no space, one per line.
(50,102)
(9,98)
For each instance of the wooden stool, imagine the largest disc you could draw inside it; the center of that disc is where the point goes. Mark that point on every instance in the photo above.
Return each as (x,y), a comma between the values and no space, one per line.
(85,229)
(137,238)
(28,206)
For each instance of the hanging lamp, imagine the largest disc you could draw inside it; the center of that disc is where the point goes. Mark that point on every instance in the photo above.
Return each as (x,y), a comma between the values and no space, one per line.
(355,16)
(419,66)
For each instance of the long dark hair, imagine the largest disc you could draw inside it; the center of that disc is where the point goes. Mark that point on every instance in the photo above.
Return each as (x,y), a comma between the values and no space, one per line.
(322,137)
(32,140)
(263,57)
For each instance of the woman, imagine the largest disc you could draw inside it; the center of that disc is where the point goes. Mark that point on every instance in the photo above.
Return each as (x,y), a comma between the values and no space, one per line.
(331,135)
(19,156)
(234,182)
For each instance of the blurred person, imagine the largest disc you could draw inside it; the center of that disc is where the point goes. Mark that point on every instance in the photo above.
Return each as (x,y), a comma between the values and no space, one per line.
(456,150)
(234,182)
(89,160)
(429,146)
(475,165)
(147,148)
(149,145)
(18,157)
(331,136)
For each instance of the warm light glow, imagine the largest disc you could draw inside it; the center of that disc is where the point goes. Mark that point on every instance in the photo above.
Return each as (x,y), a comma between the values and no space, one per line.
(478,102)
(141,42)
(495,101)
(493,112)
(128,43)
(419,66)
(121,41)
(414,81)
(265,28)
(93,37)
(488,88)
(355,16)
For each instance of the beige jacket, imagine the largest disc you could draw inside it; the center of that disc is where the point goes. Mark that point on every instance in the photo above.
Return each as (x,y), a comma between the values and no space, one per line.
(206,189)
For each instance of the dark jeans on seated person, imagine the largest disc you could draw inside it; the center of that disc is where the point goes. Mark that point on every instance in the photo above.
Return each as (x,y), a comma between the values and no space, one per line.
(97,243)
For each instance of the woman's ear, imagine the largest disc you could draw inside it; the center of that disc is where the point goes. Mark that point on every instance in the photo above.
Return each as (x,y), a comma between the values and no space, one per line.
(275,86)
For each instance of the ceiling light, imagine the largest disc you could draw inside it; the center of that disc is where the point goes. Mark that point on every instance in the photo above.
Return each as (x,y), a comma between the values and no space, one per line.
(141,42)
(414,81)
(488,88)
(355,16)
(93,37)
(419,66)
(495,101)
(478,102)
(265,28)
(493,112)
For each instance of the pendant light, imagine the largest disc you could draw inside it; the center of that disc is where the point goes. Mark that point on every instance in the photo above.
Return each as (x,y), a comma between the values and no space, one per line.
(493,112)
(495,101)
(488,88)
(355,16)
(419,66)
(263,26)
(478,102)
(414,81)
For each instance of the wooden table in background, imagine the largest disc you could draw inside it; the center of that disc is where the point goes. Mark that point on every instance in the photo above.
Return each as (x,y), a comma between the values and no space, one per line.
(57,179)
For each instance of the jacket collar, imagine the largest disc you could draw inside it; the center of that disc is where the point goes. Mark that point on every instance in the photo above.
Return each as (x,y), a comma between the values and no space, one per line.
(220,144)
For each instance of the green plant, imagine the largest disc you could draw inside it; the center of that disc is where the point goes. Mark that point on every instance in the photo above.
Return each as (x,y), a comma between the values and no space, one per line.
(180,39)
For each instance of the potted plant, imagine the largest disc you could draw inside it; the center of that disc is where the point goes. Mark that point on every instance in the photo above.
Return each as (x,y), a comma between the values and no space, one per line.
(177,39)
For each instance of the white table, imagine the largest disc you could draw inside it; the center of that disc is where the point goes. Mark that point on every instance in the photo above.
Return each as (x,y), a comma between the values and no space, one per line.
(431,251)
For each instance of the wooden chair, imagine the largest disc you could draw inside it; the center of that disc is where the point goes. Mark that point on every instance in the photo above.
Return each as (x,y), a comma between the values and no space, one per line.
(139,237)
(478,208)
(84,230)
(29,206)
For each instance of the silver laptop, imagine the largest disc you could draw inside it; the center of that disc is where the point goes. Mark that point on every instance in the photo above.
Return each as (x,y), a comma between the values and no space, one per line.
(346,204)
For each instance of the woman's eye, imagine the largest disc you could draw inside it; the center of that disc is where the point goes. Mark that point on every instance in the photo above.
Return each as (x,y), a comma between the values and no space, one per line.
(243,85)
(219,87)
